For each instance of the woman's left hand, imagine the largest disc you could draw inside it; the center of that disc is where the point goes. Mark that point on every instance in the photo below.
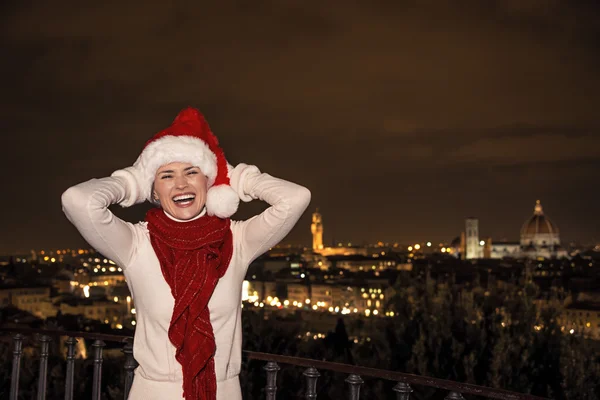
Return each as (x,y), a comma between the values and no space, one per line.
(238,179)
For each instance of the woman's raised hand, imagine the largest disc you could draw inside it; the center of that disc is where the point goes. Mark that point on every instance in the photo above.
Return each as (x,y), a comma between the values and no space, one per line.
(239,178)
(134,185)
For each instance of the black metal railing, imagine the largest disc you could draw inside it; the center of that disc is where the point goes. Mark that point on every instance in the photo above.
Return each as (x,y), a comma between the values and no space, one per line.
(354,378)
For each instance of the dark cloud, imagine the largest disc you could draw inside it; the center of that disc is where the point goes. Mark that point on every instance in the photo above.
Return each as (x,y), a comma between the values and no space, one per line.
(414,114)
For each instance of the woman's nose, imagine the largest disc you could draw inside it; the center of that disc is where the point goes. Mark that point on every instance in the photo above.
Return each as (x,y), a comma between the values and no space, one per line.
(180,182)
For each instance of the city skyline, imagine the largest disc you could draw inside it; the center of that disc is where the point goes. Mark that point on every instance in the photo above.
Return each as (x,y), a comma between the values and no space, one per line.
(403,120)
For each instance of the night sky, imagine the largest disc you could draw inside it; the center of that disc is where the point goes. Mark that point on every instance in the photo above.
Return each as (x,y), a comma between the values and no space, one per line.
(402,117)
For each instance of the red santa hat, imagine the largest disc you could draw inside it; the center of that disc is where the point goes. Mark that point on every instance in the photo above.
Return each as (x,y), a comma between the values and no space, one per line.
(189,139)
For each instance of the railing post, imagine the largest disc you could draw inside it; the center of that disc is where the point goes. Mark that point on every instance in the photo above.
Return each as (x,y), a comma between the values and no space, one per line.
(271,387)
(16,366)
(354,381)
(311,375)
(45,341)
(98,345)
(130,365)
(454,396)
(71,342)
(403,391)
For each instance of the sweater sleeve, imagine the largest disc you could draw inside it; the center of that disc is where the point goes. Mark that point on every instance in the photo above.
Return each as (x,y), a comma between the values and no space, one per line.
(86,206)
(288,201)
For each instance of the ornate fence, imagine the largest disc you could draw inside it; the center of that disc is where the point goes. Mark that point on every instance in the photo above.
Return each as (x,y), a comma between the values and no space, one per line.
(354,379)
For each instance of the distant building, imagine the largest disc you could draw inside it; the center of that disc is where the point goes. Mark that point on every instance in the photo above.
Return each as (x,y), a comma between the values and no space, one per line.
(316,229)
(33,299)
(505,250)
(540,237)
(110,312)
(583,318)
(356,263)
(473,248)
(317,233)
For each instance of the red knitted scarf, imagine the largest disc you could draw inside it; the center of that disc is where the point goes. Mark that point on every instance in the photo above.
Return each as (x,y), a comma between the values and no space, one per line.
(193,256)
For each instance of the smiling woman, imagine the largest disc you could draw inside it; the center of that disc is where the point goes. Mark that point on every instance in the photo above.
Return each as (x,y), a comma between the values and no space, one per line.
(180,189)
(186,262)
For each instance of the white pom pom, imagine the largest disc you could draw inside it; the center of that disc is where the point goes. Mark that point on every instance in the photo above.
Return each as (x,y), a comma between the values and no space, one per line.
(222,201)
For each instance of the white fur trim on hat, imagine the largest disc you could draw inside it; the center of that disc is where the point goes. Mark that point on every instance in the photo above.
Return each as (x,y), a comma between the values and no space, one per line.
(168,149)
(222,201)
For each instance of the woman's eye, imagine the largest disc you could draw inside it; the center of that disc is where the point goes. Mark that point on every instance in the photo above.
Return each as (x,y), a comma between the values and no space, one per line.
(165,176)
(192,172)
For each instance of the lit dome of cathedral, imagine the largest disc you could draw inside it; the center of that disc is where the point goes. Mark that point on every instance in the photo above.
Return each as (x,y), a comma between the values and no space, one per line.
(540,236)
(538,223)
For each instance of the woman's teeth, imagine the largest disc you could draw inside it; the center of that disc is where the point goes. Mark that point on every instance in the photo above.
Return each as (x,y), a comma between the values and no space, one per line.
(184,198)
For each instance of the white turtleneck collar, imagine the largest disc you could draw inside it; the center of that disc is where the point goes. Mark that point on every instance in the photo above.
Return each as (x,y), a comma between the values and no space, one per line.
(181,220)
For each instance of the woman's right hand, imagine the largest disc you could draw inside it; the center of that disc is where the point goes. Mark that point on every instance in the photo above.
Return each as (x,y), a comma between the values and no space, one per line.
(132,177)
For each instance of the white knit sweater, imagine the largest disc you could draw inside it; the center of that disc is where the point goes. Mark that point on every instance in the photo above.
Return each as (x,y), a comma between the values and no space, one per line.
(159,375)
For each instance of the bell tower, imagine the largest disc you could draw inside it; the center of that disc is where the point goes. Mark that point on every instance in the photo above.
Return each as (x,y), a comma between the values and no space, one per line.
(317,231)
(472,238)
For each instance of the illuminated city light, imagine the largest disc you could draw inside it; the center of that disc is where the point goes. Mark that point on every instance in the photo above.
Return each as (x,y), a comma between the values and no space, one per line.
(245,286)
(410,248)
(133,311)
(132,322)
(428,244)
(116,299)
(417,246)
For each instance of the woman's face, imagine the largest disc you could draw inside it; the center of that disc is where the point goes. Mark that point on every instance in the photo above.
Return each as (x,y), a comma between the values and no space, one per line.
(181,189)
